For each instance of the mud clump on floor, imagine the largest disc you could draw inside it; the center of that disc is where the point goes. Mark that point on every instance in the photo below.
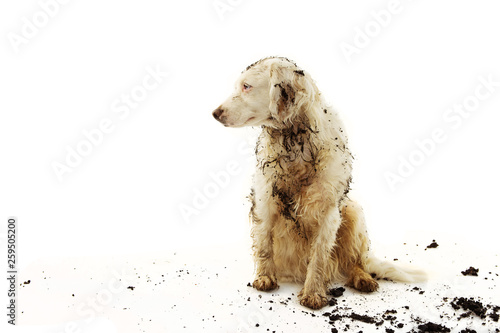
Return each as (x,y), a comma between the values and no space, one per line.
(336,292)
(471,271)
(432,245)
(431,327)
(471,306)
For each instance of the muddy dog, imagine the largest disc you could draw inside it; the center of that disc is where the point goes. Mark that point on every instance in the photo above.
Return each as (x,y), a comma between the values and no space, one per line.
(304,227)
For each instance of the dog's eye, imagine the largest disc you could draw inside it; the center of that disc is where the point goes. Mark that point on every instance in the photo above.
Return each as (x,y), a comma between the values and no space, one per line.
(246,87)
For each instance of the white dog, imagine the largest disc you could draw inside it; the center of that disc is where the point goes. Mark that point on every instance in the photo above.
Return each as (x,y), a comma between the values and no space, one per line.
(304,227)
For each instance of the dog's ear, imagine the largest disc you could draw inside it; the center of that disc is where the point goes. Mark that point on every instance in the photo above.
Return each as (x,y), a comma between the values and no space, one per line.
(289,90)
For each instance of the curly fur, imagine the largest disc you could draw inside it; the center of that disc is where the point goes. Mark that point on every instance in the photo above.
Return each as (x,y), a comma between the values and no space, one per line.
(304,226)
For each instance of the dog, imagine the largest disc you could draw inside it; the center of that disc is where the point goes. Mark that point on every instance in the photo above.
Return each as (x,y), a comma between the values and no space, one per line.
(305,228)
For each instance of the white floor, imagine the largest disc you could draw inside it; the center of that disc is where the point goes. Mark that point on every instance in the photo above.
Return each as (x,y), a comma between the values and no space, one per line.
(206,290)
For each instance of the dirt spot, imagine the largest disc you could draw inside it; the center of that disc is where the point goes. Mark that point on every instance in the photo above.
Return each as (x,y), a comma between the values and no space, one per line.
(431,327)
(336,292)
(363,318)
(432,245)
(471,271)
(471,306)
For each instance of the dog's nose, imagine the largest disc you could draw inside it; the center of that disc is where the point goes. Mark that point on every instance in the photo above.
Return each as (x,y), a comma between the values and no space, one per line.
(217,113)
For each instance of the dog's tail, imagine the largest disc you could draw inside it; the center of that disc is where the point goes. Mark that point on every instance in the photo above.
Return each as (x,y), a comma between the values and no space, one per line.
(385,269)
(353,217)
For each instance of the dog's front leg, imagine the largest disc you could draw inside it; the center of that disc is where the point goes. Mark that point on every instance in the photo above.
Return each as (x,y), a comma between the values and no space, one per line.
(313,295)
(263,220)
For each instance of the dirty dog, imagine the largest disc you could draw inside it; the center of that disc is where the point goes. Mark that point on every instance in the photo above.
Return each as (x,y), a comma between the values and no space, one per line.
(304,226)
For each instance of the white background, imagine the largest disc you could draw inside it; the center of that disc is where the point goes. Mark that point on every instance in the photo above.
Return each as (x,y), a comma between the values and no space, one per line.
(125,196)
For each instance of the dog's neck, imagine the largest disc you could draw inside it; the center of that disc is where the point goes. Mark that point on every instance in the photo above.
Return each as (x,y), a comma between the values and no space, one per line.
(288,148)
(298,131)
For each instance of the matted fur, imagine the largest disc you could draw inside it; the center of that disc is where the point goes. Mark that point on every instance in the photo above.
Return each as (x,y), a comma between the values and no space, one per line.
(304,227)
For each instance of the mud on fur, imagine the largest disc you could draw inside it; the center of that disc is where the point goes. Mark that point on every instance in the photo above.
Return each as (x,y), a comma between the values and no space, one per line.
(305,228)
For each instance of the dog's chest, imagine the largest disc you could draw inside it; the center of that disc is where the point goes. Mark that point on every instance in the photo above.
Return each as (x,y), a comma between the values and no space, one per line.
(288,158)
(289,164)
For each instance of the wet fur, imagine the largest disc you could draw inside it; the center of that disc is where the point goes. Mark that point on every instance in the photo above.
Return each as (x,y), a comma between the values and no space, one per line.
(304,226)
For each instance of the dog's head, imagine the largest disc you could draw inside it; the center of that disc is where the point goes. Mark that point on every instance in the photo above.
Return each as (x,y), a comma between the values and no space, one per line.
(271,92)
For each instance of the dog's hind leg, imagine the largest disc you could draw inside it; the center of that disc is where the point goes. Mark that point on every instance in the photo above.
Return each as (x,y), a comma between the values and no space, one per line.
(352,249)
(361,280)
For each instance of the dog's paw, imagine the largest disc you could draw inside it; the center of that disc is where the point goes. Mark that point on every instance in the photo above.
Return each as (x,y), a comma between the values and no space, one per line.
(265,283)
(313,301)
(363,283)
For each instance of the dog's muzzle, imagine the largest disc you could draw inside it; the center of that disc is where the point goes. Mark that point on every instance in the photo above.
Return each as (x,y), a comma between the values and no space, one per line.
(218,114)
